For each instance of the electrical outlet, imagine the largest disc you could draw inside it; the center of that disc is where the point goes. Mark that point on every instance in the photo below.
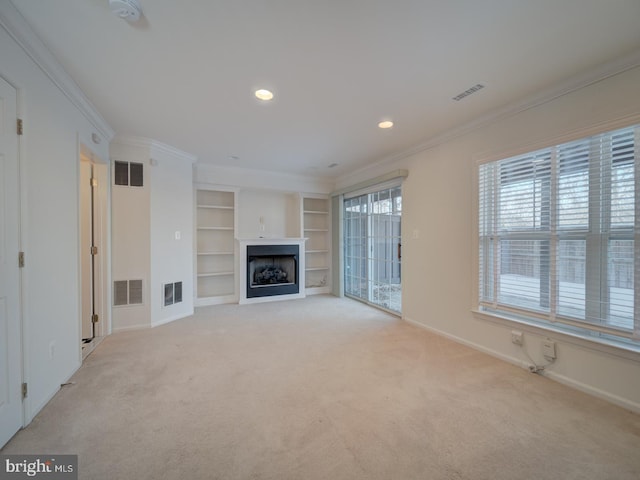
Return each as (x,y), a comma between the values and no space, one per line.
(517,337)
(549,349)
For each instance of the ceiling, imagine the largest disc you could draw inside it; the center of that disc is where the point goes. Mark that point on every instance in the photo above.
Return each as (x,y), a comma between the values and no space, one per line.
(186,73)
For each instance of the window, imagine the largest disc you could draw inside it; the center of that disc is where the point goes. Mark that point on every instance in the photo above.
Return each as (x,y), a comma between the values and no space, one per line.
(557,235)
(128,174)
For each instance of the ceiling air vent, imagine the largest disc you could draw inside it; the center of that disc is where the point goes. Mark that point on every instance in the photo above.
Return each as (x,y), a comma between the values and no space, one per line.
(468,92)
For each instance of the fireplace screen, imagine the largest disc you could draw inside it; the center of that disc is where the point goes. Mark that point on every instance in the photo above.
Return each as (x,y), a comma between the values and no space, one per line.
(272,270)
(277,270)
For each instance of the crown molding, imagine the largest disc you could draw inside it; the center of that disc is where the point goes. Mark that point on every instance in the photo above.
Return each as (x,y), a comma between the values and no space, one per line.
(154,147)
(573,84)
(292,177)
(268,180)
(18,28)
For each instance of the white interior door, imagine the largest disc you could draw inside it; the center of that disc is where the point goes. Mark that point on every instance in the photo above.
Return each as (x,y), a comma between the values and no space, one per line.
(10,323)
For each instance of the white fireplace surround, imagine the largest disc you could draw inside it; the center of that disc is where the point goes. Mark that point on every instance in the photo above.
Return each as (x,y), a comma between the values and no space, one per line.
(242,287)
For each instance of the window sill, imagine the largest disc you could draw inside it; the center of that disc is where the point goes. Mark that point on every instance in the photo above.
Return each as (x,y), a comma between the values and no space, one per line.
(610,347)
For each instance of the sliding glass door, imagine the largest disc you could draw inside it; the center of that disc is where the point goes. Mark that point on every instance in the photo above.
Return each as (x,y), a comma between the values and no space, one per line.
(372,248)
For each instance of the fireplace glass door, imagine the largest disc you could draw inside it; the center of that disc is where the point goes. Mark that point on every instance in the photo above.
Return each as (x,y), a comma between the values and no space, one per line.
(372,248)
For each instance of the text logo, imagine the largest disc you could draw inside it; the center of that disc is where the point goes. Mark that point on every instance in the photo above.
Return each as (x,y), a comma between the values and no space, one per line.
(50,467)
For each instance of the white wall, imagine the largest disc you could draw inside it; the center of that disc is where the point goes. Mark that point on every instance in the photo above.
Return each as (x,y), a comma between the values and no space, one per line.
(264,214)
(438,201)
(171,182)
(130,236)
(261,180)
(144,225)
(49,162)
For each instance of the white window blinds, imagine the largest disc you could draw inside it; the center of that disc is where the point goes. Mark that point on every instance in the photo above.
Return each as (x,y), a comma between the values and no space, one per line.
(558,234)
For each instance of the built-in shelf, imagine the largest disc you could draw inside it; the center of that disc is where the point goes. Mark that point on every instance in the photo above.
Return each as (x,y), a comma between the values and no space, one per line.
(215,274)
(219,207)
(315,227)
(215,254)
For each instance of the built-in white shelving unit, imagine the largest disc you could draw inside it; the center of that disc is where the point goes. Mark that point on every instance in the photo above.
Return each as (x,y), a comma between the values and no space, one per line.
(216,263)
(316,223)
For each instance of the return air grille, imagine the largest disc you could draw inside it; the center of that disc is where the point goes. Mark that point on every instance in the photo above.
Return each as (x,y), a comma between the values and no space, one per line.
(127,292)
(172,293)
(468,92)
(128,174)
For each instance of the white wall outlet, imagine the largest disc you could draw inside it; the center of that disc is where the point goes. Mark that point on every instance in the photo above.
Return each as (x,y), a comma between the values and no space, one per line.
(178,235)
(517,337)
(549,349)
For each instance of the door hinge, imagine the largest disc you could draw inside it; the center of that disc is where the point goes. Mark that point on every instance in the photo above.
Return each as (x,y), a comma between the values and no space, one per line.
(20,259)
(94,250)
(25,391)
(93,182)
(94,318)
(19,126)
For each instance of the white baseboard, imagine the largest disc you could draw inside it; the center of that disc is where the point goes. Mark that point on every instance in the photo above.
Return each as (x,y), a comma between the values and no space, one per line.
(317,290)
(596,392)
(164,321)
(130,328)
(563,379)
(30,411)
(219,300)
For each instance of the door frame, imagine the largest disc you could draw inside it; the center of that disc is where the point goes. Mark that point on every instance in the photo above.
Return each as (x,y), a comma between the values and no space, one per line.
(18,215)
(372,224)
(102,237)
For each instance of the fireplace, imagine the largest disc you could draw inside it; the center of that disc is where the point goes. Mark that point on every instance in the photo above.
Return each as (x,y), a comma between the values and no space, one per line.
(272,270)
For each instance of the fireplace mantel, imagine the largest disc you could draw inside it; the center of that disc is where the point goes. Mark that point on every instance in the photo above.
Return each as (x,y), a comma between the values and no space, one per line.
(242,287)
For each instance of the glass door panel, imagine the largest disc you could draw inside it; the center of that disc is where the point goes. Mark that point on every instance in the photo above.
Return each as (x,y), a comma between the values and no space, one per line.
(372,248)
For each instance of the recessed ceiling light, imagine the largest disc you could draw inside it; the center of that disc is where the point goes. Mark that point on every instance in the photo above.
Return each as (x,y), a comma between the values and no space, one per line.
(263,94)
(386,124)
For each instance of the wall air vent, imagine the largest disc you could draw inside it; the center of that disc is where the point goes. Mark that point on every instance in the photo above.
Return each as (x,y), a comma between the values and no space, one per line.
(172,293)
(128,174)
(468,92)
(127,292)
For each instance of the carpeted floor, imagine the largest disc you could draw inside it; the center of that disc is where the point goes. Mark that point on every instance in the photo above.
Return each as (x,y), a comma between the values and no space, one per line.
(322,388)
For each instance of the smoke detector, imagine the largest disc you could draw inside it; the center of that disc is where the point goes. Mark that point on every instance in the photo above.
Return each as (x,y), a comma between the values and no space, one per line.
(126,9)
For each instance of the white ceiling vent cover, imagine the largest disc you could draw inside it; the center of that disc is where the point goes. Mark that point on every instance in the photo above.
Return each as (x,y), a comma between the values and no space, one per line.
(126,9)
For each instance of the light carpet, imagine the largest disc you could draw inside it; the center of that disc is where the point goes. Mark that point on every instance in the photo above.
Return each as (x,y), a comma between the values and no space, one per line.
(322,388)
